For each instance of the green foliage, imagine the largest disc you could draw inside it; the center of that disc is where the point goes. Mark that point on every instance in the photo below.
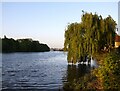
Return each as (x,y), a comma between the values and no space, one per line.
(23,45)
(89,36)
(105,77)
(109,71)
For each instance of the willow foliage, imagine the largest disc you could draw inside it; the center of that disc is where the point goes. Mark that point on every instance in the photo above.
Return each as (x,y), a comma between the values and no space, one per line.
(89,36)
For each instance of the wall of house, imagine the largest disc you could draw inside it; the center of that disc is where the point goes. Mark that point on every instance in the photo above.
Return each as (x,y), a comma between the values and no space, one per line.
(117,44)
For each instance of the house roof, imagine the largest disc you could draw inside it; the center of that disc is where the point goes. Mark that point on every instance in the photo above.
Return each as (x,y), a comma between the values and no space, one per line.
(117,38)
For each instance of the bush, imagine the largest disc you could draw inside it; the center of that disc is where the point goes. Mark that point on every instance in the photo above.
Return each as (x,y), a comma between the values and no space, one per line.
(109,71)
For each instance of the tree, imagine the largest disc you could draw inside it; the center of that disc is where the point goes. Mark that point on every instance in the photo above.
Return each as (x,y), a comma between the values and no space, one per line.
(22,45)
(89,36)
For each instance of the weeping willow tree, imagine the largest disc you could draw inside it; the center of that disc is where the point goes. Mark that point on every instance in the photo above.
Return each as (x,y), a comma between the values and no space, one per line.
(89,36)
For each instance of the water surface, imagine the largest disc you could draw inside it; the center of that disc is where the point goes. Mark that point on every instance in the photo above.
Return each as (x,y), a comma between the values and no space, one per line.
(41,70)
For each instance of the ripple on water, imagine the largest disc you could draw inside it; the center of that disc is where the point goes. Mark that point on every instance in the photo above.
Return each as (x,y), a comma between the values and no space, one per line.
(34,70)
(24,79)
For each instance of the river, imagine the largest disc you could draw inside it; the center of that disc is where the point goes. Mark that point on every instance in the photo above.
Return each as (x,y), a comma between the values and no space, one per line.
(39,71)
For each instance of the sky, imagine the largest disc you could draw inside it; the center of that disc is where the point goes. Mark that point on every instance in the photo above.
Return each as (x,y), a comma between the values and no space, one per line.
(46,21)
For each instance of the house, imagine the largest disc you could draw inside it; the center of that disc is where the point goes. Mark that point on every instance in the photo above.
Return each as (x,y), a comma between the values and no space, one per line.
(117,41)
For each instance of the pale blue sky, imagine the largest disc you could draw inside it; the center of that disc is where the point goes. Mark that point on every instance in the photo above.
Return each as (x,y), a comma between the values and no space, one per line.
(46,22)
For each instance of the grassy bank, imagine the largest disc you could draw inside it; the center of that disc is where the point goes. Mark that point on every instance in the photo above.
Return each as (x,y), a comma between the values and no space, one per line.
(105,77)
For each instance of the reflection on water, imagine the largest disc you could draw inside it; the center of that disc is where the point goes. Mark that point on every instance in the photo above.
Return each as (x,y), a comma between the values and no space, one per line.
(77,73)
(74,72)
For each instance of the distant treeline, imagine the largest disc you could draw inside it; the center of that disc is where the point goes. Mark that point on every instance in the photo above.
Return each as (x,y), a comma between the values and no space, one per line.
(22,45)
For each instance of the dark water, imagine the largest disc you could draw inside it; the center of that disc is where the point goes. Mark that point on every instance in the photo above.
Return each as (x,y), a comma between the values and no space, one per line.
(43,71)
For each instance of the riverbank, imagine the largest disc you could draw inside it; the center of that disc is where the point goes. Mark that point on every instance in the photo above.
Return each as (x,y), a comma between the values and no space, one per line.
(104,77)
(108,73)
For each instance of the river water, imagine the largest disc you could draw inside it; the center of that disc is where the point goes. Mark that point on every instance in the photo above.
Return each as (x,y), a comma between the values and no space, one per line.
(39,71)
